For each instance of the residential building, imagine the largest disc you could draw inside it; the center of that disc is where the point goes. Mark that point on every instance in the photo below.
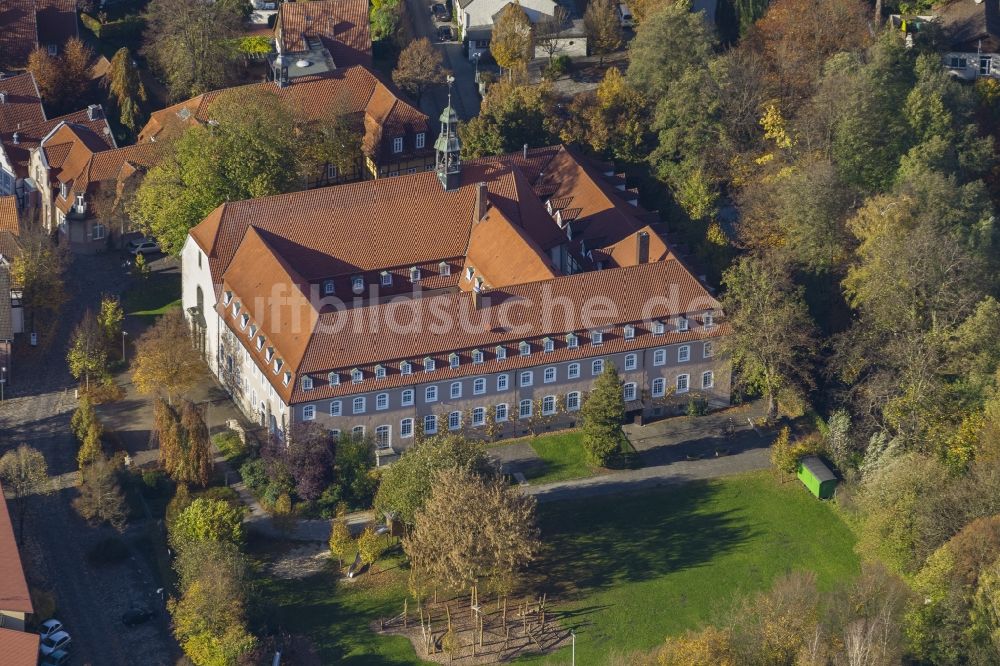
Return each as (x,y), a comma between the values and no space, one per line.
(500,285)
(970,30)
(11,312)
(23,125)
(82,184)
(396,135)
(321,36)
(476,19)
(29,24)
(15,601)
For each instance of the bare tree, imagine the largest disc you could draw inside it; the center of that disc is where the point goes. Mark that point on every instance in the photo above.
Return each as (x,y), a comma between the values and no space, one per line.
(24,473)
(549,32)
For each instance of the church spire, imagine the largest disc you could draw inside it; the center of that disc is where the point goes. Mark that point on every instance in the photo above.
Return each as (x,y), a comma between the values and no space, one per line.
(448,148)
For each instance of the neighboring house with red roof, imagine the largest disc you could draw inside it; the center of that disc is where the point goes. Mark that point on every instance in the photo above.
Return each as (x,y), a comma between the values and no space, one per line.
(502,285)
(29,24)
(83,184)
(396,134)
(15,601)
(320,36)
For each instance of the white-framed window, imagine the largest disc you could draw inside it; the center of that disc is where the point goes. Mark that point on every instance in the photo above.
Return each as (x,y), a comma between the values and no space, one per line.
(549,345)
(660,357)
(659,328)
(525,409)
(244,320)
(572,341)
(659,387)
(406,368)
(709,349)
(453,361)
(682,324)
(549,405)
(684,353)
(420,140)
(98,231)
(431,394)
(454,420)
(357,376)
(397,144)
(331,171)
(708,321)
(358,432)
(470,272)
(309,413)
(707,379)
(414,274)
(260,345)
(629,332)
(336,408)
(479,386)
(631,361)
(573,371)
(629,391)
(682,383)
(444,269)
(501,352)
(358,406)
(572,401)
(503,381)
(406,428)
(597,366)
(526,378)
(549,375)
(385,278)
(500,412)
(429,364)
(358,284)
(406,397)
(524,348)
(596,338)
(478,417)
(328,287)
(430,424)
(334,435)
(379,372)
(456,390)
(307,383)
(477,356)
(383,437)
(382,401)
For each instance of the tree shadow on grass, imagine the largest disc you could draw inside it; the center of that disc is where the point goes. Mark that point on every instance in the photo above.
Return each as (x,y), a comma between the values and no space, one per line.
(598,542)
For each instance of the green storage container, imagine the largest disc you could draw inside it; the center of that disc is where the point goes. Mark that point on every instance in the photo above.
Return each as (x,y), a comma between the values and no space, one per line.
(817,477)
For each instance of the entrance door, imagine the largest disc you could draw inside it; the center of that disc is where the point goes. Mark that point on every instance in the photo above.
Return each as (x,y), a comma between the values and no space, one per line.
(383,437)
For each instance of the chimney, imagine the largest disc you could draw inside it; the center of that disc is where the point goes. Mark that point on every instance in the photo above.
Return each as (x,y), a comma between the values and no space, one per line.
(481,201)
(524,152)
(93,112)
(642,247)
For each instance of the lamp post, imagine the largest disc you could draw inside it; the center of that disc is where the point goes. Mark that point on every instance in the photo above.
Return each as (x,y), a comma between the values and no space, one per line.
(573,653)
(124,335)
(475,56)
(3,380)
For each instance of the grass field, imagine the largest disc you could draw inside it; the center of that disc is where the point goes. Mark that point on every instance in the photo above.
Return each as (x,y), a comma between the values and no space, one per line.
(161,292)
(562,458)
(627,570)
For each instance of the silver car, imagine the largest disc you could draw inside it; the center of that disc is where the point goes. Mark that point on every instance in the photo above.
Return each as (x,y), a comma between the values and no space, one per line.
(60,640)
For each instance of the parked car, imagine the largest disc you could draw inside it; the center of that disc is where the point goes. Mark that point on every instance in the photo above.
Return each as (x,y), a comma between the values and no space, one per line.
(50,627)
(135,616)
(143,246)
(444,33)
(440,12)
(60,640)
(625,16)
(56,658)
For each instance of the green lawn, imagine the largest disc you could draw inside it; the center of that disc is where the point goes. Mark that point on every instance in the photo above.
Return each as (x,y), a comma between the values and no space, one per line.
(626,570)
(562,456)
(159,293)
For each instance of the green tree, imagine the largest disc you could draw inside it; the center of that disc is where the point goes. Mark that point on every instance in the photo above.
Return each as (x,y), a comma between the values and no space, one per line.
(341,543)
(88,351)
(511,42)
(420,66)
(110,318)
(407,483)
(24,473)
(512,114)
(671,41)
(39,269)
(206,520)
(771,344)
(370,546)
(195,463)
(604,30)
(384,16)
(83,416)
(91,448)
(164,362)
(101,499)
(612,121)
(126,88)
(602,413)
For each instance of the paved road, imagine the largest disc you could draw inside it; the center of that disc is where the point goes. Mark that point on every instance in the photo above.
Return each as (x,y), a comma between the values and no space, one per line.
(89,600)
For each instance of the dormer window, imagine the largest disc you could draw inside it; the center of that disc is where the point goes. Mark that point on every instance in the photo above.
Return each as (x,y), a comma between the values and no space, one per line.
(429,364)
(479,284)
(307,383)
(406,368)
(477,356)
(269,354)
(469,272)
(260,342)
(244,320)
(287,379)
(328,287)
(386,278)
(277,365)
(253,330)
(397,144)
(414,274)
(453,360)
(227,298)
(708,321)
(379,372)
(357,284)
(444,269)
(572,342)
(333,378)
(357,376)
(596,338)
(80,208)
(421,140)
(236,308)
(629,332)
(62,190)
(549,345)
(524,348)
(659,328)
(501,352)
(682,324)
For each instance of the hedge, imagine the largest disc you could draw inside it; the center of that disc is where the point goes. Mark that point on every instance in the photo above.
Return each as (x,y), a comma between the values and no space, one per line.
(128,26)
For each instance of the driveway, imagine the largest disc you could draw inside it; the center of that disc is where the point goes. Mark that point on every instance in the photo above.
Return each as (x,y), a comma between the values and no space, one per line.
(89,600)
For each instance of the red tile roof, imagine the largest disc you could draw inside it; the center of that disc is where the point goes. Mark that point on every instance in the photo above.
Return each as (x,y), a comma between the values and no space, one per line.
(342,26)
(18,32)
(56,21)
(13,586)
(22,103)
(18,648)
(29,136)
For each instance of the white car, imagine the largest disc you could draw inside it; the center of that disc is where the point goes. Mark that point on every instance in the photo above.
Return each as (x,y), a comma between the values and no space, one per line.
(60,640)
(143,246)
(50,627)
(625,16)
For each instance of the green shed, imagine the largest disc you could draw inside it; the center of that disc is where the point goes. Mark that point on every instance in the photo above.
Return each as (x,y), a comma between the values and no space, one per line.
(817,477)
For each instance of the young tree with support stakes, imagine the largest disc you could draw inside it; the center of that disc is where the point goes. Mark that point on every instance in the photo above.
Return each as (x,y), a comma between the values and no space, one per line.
(88,352)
